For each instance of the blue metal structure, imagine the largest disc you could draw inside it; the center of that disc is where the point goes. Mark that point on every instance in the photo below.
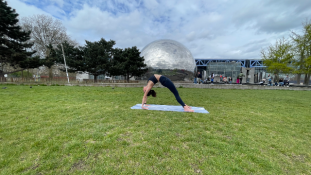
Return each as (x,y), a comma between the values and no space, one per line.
(204,62)
(252,63)
(256,63)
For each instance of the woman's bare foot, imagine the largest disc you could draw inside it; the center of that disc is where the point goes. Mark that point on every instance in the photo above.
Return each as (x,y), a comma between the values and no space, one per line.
(187,109)
(144,107)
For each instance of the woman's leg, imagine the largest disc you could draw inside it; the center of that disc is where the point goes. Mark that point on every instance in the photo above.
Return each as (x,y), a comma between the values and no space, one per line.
(169,84)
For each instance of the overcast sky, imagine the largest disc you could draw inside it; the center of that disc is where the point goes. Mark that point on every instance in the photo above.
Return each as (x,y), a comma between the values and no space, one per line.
(234,29)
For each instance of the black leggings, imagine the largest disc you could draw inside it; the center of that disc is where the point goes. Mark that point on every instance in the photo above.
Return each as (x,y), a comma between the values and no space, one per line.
(169,84)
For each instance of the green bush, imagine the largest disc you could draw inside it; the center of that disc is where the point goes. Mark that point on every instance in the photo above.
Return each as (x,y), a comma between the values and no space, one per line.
(26,74)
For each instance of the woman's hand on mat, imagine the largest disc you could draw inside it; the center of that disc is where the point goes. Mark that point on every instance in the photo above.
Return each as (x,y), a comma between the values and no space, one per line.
(143,107)
(188,106)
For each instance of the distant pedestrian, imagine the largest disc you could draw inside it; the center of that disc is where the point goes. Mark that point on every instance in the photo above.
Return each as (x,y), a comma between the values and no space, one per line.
(241,75)
(276,79)
(281,82)
(212,78)
(269,78)
(195,78)
(286,81)
(225,80)
(200,78)
(230,80)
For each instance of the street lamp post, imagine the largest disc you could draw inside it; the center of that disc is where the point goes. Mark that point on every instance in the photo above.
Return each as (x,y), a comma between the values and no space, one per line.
(65,62)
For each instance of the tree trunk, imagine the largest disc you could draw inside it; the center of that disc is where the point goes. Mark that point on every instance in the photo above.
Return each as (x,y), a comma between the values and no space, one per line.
(50,74)
(301,64)
(298,78)
(95,78)
(1,74)
(276,78)
(127,77)
(307,79)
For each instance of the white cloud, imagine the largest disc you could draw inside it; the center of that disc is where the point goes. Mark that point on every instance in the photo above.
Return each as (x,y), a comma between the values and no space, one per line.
(94,24)
(208,28)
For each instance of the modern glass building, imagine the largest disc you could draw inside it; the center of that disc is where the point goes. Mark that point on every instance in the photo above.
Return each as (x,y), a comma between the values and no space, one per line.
(254,70)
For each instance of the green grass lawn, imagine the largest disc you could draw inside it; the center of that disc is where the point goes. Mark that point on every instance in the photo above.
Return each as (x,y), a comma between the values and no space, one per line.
(92,130)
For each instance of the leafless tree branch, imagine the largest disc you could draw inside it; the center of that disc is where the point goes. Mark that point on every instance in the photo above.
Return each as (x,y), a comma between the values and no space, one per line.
(45,30)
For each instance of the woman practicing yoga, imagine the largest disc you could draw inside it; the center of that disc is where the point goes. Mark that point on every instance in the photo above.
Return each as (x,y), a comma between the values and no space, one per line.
(165,82)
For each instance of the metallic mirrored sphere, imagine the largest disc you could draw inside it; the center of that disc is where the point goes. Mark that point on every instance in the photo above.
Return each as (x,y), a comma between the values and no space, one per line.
(168,54)
(169,58)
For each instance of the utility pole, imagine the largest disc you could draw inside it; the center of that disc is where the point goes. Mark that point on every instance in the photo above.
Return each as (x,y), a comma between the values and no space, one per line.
(65,62)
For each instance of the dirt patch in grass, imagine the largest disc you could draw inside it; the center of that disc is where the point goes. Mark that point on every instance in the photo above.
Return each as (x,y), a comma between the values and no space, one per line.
(33,167)
(196,169)
(80,165)
(90,141)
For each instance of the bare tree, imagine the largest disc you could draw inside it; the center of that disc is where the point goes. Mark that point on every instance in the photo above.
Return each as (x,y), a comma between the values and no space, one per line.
(45,30)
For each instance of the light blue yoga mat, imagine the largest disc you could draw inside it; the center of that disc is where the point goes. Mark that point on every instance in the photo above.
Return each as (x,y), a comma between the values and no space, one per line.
(170,108)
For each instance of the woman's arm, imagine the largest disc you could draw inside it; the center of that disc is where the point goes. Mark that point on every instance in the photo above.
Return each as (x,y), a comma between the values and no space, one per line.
(144,101)
(145,97)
